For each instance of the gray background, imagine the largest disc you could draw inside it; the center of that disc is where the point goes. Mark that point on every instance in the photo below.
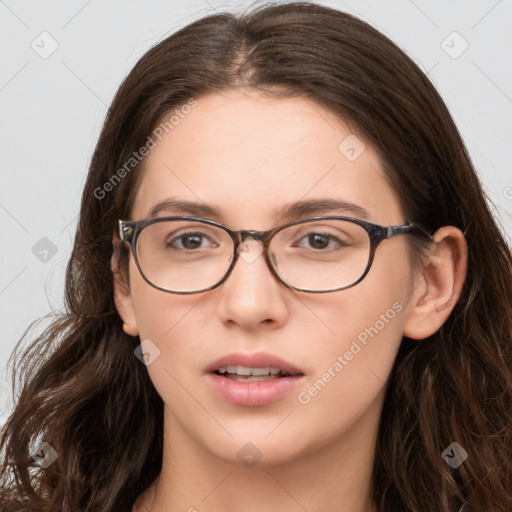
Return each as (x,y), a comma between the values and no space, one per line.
(52,107)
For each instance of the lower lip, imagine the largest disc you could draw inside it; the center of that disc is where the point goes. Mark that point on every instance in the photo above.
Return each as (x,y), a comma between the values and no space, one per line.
(253,394)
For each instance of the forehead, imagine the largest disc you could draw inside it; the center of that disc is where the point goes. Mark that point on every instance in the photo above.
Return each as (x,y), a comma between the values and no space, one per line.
(249,154)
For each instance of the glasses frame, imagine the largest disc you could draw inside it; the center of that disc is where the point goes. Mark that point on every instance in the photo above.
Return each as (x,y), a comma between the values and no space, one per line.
(129,232)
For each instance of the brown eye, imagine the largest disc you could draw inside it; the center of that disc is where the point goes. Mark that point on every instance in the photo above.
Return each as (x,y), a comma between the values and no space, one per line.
(188,241)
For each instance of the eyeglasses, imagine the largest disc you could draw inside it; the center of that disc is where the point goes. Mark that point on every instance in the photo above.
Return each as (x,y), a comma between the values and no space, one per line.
(191,255)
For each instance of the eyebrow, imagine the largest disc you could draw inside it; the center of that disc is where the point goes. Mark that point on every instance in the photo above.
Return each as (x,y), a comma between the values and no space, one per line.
(184,207)
(292,210)
(321,206)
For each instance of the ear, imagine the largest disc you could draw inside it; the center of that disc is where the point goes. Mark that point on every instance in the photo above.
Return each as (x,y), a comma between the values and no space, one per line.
(122,297)
(439,288)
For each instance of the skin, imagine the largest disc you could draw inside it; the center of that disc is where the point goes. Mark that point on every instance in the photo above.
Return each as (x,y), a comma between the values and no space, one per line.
(248,154)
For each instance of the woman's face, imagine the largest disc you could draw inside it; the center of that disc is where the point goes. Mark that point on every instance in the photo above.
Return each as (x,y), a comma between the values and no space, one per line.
(248,156)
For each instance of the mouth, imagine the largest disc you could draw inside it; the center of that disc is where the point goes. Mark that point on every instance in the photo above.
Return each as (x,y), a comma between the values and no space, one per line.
(252,379)
(252,374)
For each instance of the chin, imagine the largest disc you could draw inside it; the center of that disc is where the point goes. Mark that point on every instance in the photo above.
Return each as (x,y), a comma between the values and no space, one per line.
(258,451)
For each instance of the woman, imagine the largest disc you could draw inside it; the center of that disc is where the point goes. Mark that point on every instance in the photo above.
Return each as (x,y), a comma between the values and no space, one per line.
(286,292)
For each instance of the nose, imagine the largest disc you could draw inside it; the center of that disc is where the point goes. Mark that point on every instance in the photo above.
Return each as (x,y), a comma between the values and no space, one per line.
(252,296)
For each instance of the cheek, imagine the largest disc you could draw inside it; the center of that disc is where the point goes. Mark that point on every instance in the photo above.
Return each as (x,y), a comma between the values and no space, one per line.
(158,313)
(352,364)
(169,326)
(171,323)
(350,372)
(345,390)
(375,308)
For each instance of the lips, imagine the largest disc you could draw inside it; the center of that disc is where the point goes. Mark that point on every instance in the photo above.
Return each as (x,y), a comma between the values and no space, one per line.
(252,380)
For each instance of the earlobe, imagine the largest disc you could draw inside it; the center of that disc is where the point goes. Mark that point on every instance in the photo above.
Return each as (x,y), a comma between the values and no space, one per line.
(439,288)
(124,306)
(122,297)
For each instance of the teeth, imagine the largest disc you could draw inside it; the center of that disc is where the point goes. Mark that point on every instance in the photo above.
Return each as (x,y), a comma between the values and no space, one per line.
(258,371)
(251,378)
(244,370)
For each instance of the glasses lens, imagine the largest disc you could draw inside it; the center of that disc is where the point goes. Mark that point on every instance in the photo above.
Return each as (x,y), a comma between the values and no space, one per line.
(321,255)
(184,255)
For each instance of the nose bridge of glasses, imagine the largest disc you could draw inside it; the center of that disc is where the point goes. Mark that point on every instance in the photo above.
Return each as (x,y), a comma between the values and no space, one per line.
(244,234)
(250,252)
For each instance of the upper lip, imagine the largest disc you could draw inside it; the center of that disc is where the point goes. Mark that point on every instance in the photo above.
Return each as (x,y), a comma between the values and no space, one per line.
(257,360)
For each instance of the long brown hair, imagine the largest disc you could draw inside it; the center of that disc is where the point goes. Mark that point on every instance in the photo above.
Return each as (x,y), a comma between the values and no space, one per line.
(82,390)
